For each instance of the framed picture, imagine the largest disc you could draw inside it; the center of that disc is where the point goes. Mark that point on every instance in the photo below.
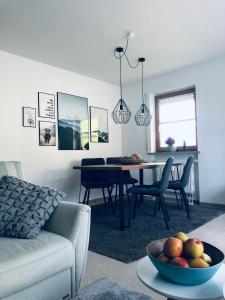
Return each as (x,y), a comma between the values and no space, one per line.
(29,116)
(99,125)
(73,123)
(47,134)
(46,105)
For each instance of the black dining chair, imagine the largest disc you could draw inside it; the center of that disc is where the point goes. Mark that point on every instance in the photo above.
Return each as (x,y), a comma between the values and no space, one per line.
(95,179)
(114,176)
(180,185)
(155,191)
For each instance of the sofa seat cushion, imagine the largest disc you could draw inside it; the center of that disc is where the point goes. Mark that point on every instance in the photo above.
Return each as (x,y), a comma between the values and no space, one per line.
(26,262)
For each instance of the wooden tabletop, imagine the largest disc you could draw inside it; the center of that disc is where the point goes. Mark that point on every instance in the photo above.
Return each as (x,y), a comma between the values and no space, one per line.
(120,167)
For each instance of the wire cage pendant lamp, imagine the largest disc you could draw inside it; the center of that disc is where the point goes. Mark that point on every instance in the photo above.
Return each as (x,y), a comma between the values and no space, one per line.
(143,116)
(121,113)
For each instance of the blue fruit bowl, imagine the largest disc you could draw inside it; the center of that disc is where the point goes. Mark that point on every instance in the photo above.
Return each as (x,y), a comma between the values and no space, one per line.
(185,276)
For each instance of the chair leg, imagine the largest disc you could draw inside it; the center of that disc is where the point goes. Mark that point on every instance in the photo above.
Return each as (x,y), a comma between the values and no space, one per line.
(110,199)
(103,193)
(135,206)
(186,205)
(128,196)
(178,204)
(166,209)
(85,194)
(164,212)
(129,211)
(88,195)
(157,204)
(116,197)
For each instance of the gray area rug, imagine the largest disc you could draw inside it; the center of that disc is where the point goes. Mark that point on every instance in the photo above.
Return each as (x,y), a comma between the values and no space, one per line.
(105,289)
(129,245)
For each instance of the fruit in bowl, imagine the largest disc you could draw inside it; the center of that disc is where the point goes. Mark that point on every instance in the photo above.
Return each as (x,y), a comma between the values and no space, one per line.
(184,260)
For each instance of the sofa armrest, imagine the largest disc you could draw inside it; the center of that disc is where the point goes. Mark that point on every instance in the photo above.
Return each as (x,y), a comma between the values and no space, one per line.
(72,221)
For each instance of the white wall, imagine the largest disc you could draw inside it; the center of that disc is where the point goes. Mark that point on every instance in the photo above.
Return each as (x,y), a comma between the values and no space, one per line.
(20,81)
(209,79)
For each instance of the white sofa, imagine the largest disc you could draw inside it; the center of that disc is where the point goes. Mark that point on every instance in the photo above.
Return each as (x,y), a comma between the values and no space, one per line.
(51,266)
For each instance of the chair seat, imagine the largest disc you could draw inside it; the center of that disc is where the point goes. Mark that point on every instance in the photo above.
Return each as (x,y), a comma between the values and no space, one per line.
(26,262)
(175,185)
(97,184)
(144,189)
(126,180)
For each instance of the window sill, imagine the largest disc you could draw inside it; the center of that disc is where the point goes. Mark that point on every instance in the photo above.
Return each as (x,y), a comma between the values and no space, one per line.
(175,152)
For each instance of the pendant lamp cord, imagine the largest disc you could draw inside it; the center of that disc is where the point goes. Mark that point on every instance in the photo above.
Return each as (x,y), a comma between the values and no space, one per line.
(142,81)
(121,90)
(124,53)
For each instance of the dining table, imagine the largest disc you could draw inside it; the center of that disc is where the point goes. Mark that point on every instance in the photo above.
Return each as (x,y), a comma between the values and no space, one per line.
(127,167)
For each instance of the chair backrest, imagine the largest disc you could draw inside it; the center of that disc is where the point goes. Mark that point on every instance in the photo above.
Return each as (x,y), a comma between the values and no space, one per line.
(164,182)
(114,160)
(11,168)
(186,171)
(92,161)
(92,175)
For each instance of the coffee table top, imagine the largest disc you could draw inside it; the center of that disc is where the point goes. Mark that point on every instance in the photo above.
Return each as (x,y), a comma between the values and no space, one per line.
(211,290)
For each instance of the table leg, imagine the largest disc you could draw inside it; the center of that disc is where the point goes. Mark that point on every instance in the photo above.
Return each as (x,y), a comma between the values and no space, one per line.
(121,202)
(141,183)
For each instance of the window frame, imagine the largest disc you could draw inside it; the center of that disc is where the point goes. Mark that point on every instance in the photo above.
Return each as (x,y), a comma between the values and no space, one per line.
(189,90)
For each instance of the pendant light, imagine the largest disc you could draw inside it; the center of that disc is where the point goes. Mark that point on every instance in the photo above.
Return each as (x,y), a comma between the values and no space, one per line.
(121,113)
(142,116)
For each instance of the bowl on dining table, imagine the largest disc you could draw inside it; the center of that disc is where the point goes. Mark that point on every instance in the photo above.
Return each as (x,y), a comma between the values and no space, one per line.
(185,276)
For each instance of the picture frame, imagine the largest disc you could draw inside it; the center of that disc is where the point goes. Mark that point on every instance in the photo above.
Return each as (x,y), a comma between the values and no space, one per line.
(47,133)
(29,117)
(73,122)
(99,129)
(46,105)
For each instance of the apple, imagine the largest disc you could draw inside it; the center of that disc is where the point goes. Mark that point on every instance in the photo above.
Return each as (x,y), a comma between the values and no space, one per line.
(180,262)
(193,248)
(182,236)
(206,258)
(198,262)
(162,257)
(173,247)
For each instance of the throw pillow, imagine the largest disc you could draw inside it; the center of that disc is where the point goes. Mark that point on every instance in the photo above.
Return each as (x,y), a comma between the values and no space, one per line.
(25,207)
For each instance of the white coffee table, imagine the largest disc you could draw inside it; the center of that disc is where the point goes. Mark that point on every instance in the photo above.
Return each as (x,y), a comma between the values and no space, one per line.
(211,290)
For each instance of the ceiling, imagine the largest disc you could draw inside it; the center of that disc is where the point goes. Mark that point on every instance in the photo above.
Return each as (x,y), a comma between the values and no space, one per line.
(80,35)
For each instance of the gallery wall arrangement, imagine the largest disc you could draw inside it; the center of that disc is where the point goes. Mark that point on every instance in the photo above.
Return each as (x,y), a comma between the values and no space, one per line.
(99,131)
(72,121)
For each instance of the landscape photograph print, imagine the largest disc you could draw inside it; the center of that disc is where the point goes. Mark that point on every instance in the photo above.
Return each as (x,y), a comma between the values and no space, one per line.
(47,133)
(73,123)
(99,125)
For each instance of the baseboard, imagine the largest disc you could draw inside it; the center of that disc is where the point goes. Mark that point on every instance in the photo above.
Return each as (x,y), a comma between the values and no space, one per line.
(213,205)
(168,199)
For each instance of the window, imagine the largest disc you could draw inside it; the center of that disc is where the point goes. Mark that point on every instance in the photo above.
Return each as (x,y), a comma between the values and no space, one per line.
(176,117)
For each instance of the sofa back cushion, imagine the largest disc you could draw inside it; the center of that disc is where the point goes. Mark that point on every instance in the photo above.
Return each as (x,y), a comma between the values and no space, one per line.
(11,168)
(25,207)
